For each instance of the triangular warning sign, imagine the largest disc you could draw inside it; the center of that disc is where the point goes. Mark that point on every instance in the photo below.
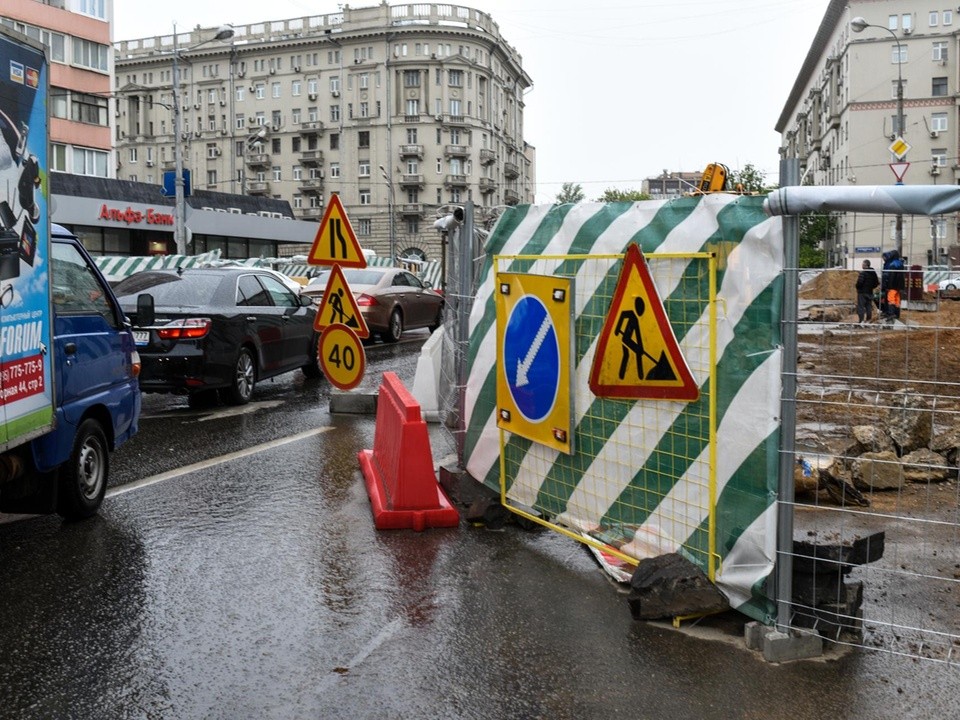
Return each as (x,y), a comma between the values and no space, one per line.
(339,307)
(335,241)
(637,354)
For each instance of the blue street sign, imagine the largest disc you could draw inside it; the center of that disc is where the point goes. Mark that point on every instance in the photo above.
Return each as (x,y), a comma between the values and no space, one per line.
(531,357)
(867,249)
(169,188)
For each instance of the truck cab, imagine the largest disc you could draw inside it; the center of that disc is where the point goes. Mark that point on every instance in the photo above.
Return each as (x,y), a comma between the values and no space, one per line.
(96,398)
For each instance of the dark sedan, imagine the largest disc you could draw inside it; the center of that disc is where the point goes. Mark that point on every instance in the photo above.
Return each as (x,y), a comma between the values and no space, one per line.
(217,329)
(391,300)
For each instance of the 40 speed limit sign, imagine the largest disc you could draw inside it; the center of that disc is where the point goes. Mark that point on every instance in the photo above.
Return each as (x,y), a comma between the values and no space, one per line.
(341,356)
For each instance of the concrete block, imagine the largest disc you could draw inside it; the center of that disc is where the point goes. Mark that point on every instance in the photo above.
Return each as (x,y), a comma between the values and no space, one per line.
(753,633)
(353,403)
(783,647)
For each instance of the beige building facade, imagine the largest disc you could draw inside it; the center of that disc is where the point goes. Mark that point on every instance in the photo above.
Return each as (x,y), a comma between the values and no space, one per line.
(402,110)
(842,116)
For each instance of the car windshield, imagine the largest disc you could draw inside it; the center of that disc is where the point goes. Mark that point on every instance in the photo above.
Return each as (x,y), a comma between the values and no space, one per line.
(169,289)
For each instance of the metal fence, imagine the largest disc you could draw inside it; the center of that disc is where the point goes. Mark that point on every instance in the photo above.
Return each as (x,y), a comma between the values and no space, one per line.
(876,507)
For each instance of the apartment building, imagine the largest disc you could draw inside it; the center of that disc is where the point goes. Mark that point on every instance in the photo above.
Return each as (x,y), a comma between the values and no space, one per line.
(402,110)
(76,34)
(844,112)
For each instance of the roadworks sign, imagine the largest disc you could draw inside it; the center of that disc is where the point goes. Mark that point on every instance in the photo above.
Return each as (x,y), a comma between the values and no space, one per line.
(335,242)
(339,306)
(637,353)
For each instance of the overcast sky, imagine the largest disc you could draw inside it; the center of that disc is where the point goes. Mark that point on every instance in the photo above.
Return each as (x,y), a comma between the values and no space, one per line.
(622,90)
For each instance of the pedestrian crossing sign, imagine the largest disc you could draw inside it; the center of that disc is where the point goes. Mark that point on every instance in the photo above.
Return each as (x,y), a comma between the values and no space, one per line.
(339,307)
(638,356)
(335,241)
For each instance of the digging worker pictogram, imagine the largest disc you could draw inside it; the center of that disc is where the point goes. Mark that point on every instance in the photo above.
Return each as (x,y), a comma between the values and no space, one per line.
(628,330)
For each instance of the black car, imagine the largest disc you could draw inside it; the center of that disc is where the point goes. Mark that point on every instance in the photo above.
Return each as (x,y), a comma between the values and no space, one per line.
(217,329)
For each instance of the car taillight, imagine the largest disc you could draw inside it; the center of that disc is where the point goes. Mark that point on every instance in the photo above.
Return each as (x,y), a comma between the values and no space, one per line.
(364,300)
(135,364)
(186,329)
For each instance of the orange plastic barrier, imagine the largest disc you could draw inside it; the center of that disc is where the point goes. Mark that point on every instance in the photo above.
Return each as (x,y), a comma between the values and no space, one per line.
(398,472)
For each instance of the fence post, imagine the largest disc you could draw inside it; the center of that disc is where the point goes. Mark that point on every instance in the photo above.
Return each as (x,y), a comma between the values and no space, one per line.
(789,175)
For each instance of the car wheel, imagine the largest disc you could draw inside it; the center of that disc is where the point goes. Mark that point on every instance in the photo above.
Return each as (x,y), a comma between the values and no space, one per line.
(244,379)
(83,480)
(312,368)
(438,321)
(394,327)
(951,286)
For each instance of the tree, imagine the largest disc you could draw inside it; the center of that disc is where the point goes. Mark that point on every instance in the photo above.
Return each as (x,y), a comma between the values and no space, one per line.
(614,195)
(749,180)
(570,193)
(816,230)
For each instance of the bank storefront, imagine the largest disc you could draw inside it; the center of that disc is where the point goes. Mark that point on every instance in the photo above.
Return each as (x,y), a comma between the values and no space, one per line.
(124,218)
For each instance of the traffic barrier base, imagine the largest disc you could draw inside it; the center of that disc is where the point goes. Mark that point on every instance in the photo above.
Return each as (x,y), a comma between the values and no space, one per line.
(398,472)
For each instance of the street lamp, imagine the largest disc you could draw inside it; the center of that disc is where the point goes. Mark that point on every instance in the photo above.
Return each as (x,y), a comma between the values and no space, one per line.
(859,24)
(224,32)
(390,204)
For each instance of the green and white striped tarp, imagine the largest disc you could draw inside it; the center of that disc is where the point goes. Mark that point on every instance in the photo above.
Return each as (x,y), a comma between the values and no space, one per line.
(749,245)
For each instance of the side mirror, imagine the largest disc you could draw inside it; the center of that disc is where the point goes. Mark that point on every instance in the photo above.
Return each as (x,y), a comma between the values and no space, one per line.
(145,311)
(305,300)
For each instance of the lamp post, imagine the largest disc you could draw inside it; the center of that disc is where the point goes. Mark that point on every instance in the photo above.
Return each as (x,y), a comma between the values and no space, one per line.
(224,32)
(859,24)
(390,204)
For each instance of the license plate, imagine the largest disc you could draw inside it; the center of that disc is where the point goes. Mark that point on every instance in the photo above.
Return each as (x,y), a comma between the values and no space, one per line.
(141,337)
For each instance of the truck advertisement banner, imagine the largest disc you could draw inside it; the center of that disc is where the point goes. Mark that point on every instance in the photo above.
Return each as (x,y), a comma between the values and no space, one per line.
(26,387)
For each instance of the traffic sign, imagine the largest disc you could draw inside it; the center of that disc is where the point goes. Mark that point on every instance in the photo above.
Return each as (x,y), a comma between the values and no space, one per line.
(342,358)
(899,147)
(340,306)
(335,241)
(169,187)
(535,344)
(637,353)
(899,169)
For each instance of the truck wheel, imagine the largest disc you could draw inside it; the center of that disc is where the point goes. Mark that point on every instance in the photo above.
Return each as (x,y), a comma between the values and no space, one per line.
(244,379)
(83,479)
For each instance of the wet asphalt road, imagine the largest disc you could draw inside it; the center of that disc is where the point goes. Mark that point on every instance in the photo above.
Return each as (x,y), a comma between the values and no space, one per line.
(255,586)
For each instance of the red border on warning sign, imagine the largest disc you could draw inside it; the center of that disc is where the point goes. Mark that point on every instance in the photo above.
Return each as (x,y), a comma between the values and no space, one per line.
(686,387)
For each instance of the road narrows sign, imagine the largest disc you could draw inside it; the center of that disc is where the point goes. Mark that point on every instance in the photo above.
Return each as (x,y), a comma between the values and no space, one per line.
(342,358)
(637,353)
(340,306)
(335,242)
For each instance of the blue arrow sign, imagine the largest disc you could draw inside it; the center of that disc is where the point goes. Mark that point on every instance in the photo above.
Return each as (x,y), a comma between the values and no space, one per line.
(531,357)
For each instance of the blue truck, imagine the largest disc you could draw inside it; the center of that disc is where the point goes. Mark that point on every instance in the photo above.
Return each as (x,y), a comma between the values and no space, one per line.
(68,363)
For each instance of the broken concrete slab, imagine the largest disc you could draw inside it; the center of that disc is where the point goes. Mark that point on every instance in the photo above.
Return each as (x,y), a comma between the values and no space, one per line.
(670,586)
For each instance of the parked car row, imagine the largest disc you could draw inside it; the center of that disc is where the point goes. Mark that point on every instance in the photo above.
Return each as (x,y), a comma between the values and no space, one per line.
(214,333)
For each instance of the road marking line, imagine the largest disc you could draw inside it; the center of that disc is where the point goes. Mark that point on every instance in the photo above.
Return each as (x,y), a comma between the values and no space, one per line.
(387,632)
(187,469)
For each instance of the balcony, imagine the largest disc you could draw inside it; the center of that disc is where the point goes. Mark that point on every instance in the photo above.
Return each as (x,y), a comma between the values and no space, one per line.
(487,185)
(454,120)
(456,151)
(311,185)
(511,171)
(487,157)
(258,160)
(455,180)
(411,181)
(313,127)
(411,118)
(408,151)
(511,197)
(258,187)
(311,157)
(411,209)
(311,213)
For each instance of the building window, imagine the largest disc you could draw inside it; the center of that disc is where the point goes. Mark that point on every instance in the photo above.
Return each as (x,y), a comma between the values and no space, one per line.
(239,121)
(940,51)
(364,109)
(364,197)
(334,84)
(295,116)
(276,173)
(90,54)
(363,81)
(58,102)
(363,139)
(948,17)
(363,169)
(211,177)
(413,108)
(334,170)
(132,156)
(939,87)
(411,78)
(938,121)
(934,18)
(212,151)
(906,22)
(296,87)
(335,113)
(58,157)
(893,88)
(939,156)
(238,94)
(413,226)
(275,90)
(455,78)
(260,91)
(90,162)
(898,54)
(364,227)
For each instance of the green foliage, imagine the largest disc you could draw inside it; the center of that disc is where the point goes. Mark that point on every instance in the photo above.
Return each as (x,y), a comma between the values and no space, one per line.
(612,195)
(816,229)
(750,179)
(570,193)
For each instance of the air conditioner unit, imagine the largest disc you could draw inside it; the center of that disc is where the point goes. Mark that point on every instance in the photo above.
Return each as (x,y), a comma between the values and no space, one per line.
(934,133)
(149,163)
(253,88)
(223,103)
(356,61)
(273,71)
(296,68)
(935,170)
(216,152)
(335,93)
(197,133)
(196,106)
(943,61)
(438,118)
(312,96)
(908,31)
(184,135)
(241,73)
(223,131)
